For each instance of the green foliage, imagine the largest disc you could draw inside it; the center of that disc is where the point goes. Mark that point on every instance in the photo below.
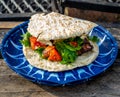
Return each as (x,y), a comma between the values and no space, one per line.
(25,41)
(93,38)
(39,51)
(67,51)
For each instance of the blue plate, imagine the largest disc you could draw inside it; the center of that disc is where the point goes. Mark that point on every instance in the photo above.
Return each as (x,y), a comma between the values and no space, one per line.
(12,53)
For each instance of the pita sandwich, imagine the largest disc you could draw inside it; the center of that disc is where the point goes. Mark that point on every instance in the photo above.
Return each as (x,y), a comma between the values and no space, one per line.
(58,42)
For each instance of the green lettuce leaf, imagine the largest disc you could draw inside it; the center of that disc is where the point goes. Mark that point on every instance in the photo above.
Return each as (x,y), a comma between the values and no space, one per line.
(39,51)
(68,56)
(25,41)
(93,38)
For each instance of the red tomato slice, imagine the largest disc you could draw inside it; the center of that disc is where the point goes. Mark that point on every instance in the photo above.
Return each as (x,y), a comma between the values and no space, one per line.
(75,44)
(39,44)
(54,55)
(46,52)
(35,44)
(32,42)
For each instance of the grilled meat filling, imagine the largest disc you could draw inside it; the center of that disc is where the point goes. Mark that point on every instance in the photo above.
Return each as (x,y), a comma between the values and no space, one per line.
(85,47)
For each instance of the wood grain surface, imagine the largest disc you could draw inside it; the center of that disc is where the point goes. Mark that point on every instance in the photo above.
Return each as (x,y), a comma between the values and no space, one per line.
(107,84)
(8,24)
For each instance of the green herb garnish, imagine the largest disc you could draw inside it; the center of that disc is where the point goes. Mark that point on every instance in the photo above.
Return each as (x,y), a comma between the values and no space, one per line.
(93,38)
(39,51)
(68,56)
(68,51)
(78,40)
(25,41)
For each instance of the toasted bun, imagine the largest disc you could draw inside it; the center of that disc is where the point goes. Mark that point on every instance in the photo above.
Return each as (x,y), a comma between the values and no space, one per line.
(57,26)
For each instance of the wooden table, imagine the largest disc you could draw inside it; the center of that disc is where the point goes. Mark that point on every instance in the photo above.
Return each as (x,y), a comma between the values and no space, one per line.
(106,84)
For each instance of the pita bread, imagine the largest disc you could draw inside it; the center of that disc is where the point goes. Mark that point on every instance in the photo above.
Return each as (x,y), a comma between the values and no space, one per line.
(57,26)
(83,60)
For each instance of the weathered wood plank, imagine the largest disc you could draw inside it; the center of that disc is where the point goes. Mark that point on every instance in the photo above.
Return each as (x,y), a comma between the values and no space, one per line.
(28,94)
(4,69)
(15,16)
(44,94)
(15,83)
(8,24)
(89,14)
(93,5)
(101,2)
